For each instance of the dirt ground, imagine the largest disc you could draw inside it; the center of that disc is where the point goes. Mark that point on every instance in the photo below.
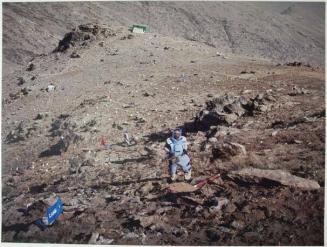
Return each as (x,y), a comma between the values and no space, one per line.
(145,85)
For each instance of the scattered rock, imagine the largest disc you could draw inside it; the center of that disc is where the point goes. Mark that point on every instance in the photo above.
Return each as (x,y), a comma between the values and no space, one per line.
(20,133)
(298,91)
(41,115)
(146,188)
(147,221)
(181,187)
(246,72)
(212,235)
(129,36)
(130,235)
(25,91)
(221,202)
(21,81)
(30,67)
(68,137)
(213,140)
(162,227)
(75,55)
(146,94)
(274,133)
(227,149)
(237,224)
(297,64)
(94,238)
(102,240)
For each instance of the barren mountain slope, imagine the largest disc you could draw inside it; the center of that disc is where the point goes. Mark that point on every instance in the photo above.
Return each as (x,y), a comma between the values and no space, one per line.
(68,104)
(278,31)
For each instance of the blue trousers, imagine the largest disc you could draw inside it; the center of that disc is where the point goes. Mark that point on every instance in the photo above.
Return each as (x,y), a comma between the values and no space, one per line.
(184,164)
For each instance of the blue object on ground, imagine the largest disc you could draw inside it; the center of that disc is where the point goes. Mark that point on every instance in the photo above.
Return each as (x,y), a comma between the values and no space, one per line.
(54,211)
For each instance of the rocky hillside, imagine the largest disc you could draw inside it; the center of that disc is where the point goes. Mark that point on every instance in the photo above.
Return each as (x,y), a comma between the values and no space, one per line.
(280,32)
(259,127)
(86,120)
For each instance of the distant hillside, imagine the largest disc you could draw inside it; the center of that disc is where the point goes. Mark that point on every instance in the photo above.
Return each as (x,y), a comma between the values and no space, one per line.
(277,31)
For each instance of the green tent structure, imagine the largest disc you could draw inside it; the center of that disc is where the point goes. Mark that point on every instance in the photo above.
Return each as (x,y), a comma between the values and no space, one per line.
(140,29)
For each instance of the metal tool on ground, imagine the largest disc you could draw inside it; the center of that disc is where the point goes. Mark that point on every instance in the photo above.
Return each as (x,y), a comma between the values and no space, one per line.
(127,139)
(205,181)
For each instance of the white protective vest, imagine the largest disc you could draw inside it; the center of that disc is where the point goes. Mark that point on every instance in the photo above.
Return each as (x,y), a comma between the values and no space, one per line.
(176,149)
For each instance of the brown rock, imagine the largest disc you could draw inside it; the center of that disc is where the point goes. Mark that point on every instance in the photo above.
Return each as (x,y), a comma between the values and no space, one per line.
(279,176)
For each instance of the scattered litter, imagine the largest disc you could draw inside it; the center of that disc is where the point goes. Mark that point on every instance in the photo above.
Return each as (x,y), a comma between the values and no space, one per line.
(51,88)
(183,78)
(127,139)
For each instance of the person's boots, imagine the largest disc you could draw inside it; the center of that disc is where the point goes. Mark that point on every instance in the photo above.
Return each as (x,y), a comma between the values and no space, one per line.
(173,177)
(188,175)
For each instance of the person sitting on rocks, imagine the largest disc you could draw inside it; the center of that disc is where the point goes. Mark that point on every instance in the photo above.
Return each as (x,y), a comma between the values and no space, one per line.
(176,149)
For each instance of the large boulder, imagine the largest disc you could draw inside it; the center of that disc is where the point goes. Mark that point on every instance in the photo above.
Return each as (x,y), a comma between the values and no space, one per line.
(254,175)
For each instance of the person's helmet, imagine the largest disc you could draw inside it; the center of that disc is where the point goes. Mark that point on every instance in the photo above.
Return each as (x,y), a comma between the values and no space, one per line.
(177,129)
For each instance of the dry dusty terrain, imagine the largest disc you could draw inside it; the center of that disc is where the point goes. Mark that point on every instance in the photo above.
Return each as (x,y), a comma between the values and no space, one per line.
(281,31)
(237,112)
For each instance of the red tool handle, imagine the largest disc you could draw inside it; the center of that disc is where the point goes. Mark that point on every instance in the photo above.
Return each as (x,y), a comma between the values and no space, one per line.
(205,181)
(103,141)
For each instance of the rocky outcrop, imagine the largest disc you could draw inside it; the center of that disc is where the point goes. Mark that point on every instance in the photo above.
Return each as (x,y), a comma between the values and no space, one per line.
(227,108)
(82,35)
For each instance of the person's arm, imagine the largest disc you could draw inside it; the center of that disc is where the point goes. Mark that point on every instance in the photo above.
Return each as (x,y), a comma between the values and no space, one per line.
(184,146)
(168,148)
